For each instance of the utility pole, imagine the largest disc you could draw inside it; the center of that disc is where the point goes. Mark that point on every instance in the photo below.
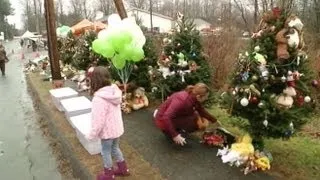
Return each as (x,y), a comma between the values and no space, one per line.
(52,44)
(151,23)
(120,8)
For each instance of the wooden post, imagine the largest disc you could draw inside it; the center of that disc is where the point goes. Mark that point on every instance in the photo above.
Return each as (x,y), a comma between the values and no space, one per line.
(151,22)
(120,8)
(52,44)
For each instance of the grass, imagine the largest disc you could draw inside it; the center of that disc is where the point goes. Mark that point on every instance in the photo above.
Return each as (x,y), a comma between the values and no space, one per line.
(297,158)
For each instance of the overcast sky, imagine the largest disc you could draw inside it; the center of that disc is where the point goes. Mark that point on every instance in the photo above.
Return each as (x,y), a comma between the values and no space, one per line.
(16,18)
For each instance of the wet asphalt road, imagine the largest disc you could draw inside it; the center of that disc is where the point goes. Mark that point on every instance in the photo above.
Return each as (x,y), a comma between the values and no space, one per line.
(24,153)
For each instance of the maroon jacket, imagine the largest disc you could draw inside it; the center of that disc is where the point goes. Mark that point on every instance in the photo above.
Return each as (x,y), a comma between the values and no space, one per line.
(179,111)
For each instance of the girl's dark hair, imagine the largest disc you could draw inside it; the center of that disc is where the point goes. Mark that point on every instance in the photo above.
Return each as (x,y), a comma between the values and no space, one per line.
(99,78)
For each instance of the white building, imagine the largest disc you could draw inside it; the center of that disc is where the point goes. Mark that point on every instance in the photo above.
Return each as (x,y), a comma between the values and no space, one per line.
(161,22)
(202,24)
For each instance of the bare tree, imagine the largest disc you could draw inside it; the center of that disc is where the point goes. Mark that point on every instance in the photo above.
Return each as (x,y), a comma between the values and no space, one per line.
(317,13)
(256,11)
(138,3)
(82,8)
(242,10)
(105,6)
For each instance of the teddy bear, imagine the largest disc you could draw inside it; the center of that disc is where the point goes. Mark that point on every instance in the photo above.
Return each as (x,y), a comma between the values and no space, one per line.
(282,44)
(267,19)
(125,107)
(285,100)
(139,100)
(181,60)
(296,34)
(290,36)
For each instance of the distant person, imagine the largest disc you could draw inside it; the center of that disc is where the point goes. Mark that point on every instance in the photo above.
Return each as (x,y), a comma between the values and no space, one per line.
(107,123)
(34,46)
(183,113)
(21,42)
(3,60)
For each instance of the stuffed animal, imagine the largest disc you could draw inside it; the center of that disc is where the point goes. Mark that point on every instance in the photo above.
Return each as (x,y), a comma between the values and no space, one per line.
(285,100)
(282,45)
(250,165)
(239,152)
(181,60)
(296,26)
(193,66)
(290,36)
(293,38)
(139,99)
(263,163)
(164,60)
(261,59)
(125,107)
(266,21)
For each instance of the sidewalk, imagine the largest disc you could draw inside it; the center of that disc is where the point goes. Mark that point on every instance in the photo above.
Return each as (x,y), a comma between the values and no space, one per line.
(149,154)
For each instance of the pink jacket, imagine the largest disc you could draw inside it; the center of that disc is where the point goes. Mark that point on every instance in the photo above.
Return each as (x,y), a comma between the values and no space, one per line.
(106,113)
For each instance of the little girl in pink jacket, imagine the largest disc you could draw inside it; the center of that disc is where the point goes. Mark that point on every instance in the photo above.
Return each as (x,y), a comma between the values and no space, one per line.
(107,123)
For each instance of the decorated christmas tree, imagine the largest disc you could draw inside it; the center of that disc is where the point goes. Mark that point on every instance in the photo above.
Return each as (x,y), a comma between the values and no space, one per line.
(270,83)
(77,51)
(140,75)
(181,63)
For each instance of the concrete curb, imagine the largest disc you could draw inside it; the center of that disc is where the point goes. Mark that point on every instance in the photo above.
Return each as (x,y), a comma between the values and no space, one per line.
(79,171)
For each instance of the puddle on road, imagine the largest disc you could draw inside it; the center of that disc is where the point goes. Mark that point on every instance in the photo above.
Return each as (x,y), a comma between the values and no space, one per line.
(23,142)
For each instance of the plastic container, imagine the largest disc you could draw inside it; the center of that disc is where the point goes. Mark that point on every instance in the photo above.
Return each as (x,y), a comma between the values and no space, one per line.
(76,106)
(82,124)
(62,93)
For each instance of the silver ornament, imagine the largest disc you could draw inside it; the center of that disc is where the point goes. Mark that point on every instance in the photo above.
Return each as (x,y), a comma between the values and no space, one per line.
(260,105)
(257,48)
(291,126)
(283,79)
(307,99)
(265,123)
(244,102)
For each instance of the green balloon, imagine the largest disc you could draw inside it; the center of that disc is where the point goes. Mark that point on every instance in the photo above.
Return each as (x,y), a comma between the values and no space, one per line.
(118,45)
(97,46)
(127,52)
(107,50)
(126,37)
(138,54)
(118,61)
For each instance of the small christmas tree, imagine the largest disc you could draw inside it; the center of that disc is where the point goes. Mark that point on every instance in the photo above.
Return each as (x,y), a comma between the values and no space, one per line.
(77,51)
(140,73)
(181,62)
(270,82)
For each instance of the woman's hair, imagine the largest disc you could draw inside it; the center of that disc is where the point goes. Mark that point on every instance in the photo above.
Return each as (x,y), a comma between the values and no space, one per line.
(198,89)
(99,78)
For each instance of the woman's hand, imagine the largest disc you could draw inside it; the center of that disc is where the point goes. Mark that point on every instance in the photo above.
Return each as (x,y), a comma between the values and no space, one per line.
(216,125)
(179,140)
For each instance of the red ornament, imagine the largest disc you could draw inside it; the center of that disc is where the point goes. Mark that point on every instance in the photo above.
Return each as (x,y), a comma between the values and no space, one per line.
(300,100)
(291,83)
(276,12)
(254,100)
(315,83)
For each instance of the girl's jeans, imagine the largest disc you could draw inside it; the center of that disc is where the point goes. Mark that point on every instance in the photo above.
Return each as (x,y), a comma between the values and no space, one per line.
(110,148)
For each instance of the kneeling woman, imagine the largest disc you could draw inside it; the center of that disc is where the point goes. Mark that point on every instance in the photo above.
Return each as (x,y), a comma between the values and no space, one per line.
(183,112)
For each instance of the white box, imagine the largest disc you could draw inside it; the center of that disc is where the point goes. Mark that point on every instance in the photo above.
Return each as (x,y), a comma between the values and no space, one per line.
(62,93)
(76,106)
(82,124)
